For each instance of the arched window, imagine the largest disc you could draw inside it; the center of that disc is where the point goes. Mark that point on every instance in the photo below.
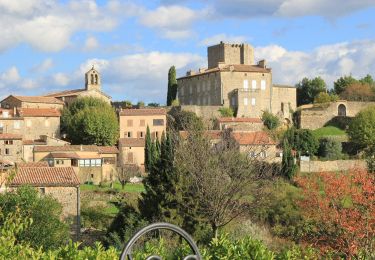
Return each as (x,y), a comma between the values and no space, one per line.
(92,79)
(96,78)
(341,110)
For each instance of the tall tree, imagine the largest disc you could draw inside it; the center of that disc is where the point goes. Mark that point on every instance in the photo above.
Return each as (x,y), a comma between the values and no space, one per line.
(172,85)
(148,150)
(288,167)
(342,83)
(308,89)
(367,80)
(358,92)
(90,121)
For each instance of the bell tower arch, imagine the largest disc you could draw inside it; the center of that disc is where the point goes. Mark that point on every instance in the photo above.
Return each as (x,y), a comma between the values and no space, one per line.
(92,80)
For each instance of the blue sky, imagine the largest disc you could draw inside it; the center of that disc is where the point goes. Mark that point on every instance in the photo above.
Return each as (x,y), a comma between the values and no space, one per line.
(47,45)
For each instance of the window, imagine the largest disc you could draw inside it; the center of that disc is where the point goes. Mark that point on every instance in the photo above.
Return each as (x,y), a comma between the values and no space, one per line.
(263,154)
(253,101)
(1,128)
(233,100)
(8,142)
(5,114)
(81,163)
(7,151)
(141,135)
(128,134)
(42,190)
(263,84)
(245,101)
(129,122)
(142,122)
(254,84)
(158,122)
(16,125)
(109,160)
(245,84)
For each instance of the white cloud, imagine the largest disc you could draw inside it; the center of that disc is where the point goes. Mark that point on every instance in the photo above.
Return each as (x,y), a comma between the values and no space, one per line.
(61,79)
(215,39)
(91,43)
(44,66)
(173,21)
(328,61)
(10,76)
(48,25)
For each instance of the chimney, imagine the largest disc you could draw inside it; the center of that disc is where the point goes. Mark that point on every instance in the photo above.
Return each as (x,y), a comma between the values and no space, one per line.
(262,64)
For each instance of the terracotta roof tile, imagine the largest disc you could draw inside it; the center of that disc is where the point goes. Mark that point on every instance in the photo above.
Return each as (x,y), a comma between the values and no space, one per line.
(39,99)
(32,142)
(143,112)
(33,164)
(239,120)
(76,148)
(45,176)
(10,136)
(252,138)
(132,142)
(42,112)
(70,155)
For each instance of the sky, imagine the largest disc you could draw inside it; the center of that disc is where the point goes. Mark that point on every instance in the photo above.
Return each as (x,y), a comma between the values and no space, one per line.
(48,45)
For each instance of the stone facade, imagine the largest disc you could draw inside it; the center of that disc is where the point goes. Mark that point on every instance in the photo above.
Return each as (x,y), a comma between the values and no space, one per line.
(331,166)
(12,102)
(10,148)
(318,115)
(232,80)
(239,124)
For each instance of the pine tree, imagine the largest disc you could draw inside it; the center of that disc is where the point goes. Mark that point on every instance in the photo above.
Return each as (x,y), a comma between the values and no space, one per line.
(172,85)
(148,152)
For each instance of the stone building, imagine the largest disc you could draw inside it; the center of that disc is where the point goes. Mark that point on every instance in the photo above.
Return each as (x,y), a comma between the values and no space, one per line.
(233,80)
(10,148)
(92,163)
(315,116)
(60,183)
(240,124)
(12,102)
(133,125)
(93,88)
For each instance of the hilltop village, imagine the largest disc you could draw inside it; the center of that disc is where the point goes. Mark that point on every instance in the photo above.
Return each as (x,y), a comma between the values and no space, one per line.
(234,97)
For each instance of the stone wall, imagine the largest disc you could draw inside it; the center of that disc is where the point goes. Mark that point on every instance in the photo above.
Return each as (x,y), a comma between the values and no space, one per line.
(316,116)
(331,166)
(206,112)
(15,150)
(35,127)
(230,54)
(284,99)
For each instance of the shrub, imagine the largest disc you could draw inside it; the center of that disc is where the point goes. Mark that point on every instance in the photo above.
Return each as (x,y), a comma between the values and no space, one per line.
(270,121)
(226,112)
(330,149)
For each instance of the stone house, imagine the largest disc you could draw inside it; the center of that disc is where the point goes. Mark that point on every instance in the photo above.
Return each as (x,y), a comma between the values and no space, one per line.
(12,102)
(92,89)
(10,148)
(133,126)
(233,80)
(60,183)
(92,163)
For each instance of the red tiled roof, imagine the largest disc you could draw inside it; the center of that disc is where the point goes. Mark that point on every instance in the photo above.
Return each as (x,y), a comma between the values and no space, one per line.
(43,112)
(76,148)
(252,138)
(33,164)
(45,176)
(31,142)
(10,136)
(232,67)
(64,155)
(132,142)
(143,112)
(39,99)
(239,120)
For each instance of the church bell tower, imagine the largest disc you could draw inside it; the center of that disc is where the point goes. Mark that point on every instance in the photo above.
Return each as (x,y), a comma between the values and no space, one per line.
(92,80)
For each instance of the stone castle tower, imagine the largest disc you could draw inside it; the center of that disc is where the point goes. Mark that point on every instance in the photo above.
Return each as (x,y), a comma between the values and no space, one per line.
(92,80)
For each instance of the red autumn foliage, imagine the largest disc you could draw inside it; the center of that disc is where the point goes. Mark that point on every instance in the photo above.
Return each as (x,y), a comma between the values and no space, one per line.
(343,206)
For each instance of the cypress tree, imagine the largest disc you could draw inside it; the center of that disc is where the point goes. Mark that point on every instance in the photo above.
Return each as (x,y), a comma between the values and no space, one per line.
(172,85)
(148,150)
(288,166)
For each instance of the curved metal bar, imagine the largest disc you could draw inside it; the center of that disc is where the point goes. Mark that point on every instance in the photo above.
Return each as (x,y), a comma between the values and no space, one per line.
(126,252)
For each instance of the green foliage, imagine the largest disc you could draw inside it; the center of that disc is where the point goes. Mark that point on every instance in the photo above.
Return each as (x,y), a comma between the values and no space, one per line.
(153,104)
(172,85)
(90,121)
(324,97)
(362,128)
(270,121)
(180,120)
(330,149)
(328,131)
(46,230)
(367,80)
(226,112)
(288,166)
(122,104)
(175,103)
(140,104)
(95,218)
(302,140)
(308,89)
(148,150)
(342,83)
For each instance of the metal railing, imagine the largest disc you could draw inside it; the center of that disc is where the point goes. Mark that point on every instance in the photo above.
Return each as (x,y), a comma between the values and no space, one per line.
(127,251)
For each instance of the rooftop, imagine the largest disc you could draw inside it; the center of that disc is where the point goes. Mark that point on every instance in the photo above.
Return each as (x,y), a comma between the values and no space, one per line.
(73,92)
(33,164)
(38,99)
(10,137)
(45,176)
(239,120)
(77,148)
(132,142)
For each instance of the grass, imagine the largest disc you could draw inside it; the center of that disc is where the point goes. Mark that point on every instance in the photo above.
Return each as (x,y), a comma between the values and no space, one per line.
(329,131)
(129,187)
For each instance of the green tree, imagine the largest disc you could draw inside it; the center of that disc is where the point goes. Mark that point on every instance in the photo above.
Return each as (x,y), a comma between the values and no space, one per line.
(270,120)
(90,121)
(308,89)
(324,97)
(330,149)
(226,112)
(148,150)
(140,104)
(301,140)
(46,230)
(172,85)
(342,83)
(153,104)
(288,167)
(180,120)
(367,80)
